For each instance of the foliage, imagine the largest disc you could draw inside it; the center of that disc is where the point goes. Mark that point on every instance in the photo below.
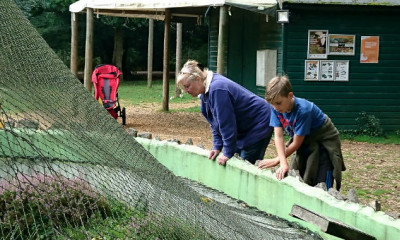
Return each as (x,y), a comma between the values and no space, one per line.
(50,18)
(31,206)
(55,207)
(366,125)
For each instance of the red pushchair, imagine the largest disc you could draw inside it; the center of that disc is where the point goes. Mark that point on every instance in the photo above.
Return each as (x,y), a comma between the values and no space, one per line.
(105,79)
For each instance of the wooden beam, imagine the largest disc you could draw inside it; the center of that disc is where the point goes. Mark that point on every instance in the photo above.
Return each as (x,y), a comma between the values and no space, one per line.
(178,62)
(74,44)
(167,26)
(222,32)
(329,225)
(88,51)
(150,53)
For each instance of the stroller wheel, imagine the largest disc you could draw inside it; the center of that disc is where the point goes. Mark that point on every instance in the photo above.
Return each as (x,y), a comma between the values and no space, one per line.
(123,115)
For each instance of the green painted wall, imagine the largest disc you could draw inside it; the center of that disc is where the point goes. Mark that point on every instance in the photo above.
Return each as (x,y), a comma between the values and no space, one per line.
(261,189)
(373,88)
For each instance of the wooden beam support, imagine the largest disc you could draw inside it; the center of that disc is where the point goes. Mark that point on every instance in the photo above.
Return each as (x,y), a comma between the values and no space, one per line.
(178,62)
(74,44)
(167,26)
(87,78)
(222,32)
(150,53)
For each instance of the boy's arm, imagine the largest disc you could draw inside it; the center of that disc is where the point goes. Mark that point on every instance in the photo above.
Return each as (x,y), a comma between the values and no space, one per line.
(280,148)
(294,145)
(279,144)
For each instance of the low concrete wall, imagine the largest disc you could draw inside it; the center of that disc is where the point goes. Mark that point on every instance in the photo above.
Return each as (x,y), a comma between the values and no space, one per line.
(261,189)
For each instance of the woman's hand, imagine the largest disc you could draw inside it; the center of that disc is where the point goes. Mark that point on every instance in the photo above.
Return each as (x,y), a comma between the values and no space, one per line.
(268,163)
(213,154)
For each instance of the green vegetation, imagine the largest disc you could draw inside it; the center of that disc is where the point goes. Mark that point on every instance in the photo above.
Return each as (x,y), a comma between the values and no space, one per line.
(369,130)
(386,139)
(137,92)
(54,207)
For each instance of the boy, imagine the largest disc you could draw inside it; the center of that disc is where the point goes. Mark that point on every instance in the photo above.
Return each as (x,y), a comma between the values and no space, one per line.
(314,138)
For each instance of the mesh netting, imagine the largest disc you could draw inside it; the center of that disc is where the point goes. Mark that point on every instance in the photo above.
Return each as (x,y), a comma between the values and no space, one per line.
(68,170)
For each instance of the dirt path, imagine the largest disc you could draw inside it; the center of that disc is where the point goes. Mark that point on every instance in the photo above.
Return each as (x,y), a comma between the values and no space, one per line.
(372,169)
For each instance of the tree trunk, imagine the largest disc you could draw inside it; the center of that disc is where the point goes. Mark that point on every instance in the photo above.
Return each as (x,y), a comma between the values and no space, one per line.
(118,48)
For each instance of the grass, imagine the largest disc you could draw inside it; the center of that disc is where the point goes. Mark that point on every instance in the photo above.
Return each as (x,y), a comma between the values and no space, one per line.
(386,139)
(137,92)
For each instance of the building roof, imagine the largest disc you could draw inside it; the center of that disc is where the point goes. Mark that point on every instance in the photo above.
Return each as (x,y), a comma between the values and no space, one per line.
(347,2)
(197,8)
(156,8)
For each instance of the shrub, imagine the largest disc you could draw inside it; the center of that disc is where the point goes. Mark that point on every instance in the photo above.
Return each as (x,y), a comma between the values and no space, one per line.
(368,125)
(32,206)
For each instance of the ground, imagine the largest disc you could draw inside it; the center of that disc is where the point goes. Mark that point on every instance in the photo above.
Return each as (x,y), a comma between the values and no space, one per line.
(373,170)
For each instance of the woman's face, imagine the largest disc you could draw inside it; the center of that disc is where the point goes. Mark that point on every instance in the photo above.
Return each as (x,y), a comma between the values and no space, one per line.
(194,87)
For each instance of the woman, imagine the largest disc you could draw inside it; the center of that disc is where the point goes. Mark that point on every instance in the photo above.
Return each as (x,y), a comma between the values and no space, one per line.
(238,118)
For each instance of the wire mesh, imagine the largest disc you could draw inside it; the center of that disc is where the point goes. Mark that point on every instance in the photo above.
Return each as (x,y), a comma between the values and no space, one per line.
(68,170)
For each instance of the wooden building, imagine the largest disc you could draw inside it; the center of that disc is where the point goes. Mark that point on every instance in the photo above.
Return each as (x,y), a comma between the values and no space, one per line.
(343,55)
(355,69)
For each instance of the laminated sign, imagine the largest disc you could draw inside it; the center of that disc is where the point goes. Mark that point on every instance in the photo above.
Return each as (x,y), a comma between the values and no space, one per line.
(369,49)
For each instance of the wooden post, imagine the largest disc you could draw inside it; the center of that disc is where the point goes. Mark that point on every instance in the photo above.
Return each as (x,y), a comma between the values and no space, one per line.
(88,50)
(167,26)
(150,53)
(178,62)
(118,52)
(74,44)
(221,40)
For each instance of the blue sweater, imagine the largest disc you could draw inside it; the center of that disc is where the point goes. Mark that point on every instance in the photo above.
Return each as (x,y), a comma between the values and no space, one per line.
(237,117)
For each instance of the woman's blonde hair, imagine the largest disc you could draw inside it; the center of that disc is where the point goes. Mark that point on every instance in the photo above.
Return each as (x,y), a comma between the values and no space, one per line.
(278,86)
(190,71)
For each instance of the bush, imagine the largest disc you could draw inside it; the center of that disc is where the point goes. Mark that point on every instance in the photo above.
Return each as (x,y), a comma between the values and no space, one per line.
(368,125)
(33,206)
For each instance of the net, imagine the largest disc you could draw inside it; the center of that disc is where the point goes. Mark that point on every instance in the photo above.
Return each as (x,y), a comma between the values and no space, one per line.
(68,170)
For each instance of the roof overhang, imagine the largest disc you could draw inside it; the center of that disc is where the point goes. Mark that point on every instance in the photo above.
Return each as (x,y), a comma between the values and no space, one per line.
(156,8)
(346,2)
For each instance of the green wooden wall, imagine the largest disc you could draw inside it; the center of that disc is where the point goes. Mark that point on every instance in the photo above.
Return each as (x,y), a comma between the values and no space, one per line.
(213,20)
(247,33)
(373,88)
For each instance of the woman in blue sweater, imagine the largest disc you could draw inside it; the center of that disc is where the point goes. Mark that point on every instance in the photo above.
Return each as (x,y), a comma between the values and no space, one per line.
(238,118)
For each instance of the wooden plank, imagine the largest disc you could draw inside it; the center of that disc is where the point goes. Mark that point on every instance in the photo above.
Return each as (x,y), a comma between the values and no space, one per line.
(329,225)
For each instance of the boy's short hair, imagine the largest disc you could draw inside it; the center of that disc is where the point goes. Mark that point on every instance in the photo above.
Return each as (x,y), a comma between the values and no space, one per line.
(278,86)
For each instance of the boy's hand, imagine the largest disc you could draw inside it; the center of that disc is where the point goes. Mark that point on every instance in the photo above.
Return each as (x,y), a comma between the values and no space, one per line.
(268,163)
(222,160)
(213,154)
(281,172)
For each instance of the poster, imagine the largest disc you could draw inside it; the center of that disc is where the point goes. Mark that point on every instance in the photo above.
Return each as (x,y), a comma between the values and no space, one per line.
(340,44)
(317,41)
(369,49)
(311,70)
(342,70)
(327,70)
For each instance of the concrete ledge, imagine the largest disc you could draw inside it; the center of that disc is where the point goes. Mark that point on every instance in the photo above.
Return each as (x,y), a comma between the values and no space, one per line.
(261,189)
